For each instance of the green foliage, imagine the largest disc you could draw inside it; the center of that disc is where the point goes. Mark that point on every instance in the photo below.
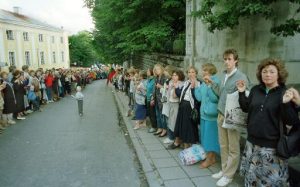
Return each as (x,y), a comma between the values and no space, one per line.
(222,14)
(126,27)
(82,50)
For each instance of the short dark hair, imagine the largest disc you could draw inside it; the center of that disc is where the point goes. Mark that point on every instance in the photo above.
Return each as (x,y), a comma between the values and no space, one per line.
(282,72)
(179,73)
(151,71)
(233,52)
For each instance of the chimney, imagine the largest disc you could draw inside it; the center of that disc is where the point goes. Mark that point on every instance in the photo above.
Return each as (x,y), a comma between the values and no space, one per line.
(17,10)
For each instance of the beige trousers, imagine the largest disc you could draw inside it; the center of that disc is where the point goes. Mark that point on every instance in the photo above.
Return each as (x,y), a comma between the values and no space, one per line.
(230,148)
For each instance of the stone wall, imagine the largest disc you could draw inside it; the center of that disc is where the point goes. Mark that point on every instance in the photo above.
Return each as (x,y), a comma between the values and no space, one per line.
(149,60)
(251,38)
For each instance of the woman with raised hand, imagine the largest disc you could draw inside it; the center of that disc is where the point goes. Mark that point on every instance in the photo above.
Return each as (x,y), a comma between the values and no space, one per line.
(208,132)
(186,131)
(266,105)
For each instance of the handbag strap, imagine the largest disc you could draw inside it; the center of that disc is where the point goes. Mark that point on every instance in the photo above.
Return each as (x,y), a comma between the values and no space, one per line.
(184,91)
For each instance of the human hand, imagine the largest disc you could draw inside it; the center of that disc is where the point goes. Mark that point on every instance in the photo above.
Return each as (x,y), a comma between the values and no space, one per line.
(158,85)
(296,96)
(241,85)
(193,83)
(287,97)
(207,79)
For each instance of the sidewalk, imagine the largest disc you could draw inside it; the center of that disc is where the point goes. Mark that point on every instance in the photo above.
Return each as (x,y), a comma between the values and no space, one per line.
(162,167)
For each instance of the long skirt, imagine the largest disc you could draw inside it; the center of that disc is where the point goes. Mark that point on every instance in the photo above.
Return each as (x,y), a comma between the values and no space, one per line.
(173,107)
(185,129)
(209,136)
(261,167)
(140,112)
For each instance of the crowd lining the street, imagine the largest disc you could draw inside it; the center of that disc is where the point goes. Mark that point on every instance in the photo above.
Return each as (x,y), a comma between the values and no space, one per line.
(168,99)
(24,91)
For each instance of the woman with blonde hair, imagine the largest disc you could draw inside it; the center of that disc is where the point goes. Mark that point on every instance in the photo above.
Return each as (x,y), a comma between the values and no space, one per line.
(208,132)
(157,100)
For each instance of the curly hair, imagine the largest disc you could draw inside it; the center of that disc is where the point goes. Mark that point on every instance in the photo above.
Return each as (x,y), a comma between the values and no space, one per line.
(282,72)
(179,73)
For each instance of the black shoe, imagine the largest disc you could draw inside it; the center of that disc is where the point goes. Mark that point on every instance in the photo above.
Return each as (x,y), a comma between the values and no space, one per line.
(173,146)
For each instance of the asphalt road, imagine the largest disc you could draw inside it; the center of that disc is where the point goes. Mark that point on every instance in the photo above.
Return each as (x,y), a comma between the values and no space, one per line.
(58,148)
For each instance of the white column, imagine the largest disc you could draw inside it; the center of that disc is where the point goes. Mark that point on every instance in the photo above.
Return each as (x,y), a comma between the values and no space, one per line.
(66,50)
(2,50)
(34,54)
(49,49)
(20,51)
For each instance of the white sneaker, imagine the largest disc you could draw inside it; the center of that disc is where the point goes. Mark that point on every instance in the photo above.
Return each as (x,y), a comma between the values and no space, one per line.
(11,122)
(28,111)
(217,175)
(224,181)
(20,118)
(168,141)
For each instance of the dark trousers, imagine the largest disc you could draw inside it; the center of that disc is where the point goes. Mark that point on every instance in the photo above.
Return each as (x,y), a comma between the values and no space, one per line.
(80,106)
(151,114)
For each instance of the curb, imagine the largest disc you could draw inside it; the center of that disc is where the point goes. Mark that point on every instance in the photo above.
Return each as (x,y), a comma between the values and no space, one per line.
(150,171)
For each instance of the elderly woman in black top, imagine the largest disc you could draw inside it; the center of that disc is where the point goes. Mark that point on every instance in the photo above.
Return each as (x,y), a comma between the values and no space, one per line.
(266,106)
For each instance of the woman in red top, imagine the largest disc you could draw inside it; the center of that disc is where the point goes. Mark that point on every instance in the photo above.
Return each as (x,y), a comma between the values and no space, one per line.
(49,82)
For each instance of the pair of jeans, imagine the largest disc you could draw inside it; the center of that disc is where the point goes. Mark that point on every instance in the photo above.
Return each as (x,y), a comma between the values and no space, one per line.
(49,93)
(160,119)
(171,135)
(36,103)
(152,115)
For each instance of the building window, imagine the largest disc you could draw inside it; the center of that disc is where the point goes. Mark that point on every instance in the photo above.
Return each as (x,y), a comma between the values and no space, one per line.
(61,40)
(53,39)
(9,34)
(42,57)
(25,36)
(62,56)
(11,56)
(27,58)
(53,57)
(40,37)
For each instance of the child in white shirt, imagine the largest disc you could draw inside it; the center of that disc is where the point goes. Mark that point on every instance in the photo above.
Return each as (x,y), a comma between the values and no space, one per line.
(79,97)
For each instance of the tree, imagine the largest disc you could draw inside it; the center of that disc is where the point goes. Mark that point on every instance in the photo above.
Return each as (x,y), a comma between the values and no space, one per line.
(126,27)
(232,10)
(82,50)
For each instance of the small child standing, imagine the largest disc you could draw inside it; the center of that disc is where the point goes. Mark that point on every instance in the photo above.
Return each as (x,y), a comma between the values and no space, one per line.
(79,97)
(34,99)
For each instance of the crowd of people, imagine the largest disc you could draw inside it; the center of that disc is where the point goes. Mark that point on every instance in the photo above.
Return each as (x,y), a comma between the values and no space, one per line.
(169,98)
(24,91)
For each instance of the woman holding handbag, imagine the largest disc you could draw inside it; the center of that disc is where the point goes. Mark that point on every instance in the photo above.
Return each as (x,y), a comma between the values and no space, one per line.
(186,131)
(209,114)
(266,106)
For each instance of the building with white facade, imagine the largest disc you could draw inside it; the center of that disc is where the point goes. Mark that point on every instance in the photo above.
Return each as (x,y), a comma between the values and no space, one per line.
(25,40)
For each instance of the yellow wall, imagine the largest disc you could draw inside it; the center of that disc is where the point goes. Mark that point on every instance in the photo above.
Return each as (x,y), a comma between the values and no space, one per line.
(19,46)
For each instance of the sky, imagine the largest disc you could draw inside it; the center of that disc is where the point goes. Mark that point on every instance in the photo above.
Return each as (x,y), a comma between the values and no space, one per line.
(69,14)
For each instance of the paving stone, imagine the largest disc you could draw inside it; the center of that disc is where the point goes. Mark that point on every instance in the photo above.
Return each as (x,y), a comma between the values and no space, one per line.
(215,168)
(164,162)
(179,183)
(159,154)
(204,181)
(150,140)
(171,173)
(154,147)
(195,171)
